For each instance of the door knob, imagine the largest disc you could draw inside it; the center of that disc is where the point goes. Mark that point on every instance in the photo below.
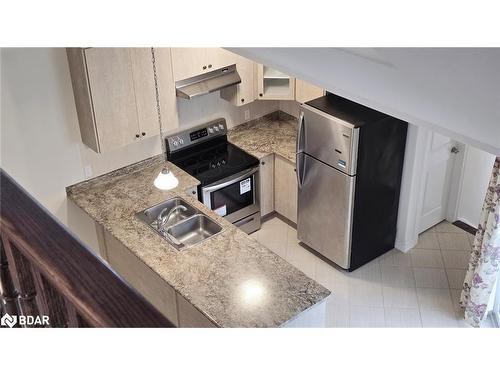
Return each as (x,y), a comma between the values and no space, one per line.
(454,150)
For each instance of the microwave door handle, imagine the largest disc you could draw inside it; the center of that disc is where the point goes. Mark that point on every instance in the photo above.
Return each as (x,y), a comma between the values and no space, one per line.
(230,180)
(299,142)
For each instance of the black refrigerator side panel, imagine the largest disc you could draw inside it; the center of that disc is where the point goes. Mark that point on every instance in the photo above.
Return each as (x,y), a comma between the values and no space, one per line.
(378,182)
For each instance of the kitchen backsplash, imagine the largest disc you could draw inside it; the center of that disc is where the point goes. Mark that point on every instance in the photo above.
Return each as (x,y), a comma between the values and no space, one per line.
(208,107)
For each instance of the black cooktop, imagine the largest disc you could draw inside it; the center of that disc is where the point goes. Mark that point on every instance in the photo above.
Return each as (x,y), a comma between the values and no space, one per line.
(213,161)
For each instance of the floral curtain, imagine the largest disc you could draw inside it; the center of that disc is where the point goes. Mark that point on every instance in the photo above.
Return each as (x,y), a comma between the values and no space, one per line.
(484,265)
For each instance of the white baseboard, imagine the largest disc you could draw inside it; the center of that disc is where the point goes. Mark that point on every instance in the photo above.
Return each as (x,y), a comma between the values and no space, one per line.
(405,244)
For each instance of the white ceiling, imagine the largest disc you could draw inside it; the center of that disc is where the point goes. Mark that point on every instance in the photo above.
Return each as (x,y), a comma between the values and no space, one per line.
(455,91)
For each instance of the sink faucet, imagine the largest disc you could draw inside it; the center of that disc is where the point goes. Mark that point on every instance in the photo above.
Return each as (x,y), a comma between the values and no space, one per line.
(162,219)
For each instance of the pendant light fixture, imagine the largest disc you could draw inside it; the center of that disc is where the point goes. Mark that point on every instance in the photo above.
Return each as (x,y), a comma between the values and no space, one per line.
(166,179)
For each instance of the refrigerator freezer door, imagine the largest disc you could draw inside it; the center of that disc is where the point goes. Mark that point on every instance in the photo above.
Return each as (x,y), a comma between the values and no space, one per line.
(325,209)
(328,139)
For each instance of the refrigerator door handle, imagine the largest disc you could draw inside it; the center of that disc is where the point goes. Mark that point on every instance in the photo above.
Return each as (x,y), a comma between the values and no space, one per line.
(299,147)
(298,168)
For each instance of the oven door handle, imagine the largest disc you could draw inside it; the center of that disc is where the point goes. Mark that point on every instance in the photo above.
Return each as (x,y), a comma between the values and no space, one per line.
(229,180)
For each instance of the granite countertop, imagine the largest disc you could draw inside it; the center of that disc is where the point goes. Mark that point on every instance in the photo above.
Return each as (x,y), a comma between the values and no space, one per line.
(231,278)
(274,133)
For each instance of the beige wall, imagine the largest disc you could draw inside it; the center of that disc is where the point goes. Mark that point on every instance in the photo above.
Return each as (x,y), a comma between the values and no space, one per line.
(40,140)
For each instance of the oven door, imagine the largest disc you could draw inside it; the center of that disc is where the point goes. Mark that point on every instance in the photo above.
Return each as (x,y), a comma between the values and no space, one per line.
(235,197)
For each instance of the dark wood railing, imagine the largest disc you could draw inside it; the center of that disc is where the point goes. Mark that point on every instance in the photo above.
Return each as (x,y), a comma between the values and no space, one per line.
(46,271)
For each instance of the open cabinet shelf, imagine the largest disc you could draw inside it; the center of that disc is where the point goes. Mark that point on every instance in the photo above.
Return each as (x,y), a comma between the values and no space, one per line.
(274,85)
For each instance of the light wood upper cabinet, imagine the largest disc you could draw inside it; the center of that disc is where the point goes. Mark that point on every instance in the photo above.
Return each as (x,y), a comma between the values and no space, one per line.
(145,93)
(190,62)
(244,92)
(266,184)
(114,95)
(305,91)
(273,84)
(285,188)
(112,86)
(219,58)
(166,88)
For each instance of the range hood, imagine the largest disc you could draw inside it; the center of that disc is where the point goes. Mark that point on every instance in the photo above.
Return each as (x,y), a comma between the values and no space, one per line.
(208,82)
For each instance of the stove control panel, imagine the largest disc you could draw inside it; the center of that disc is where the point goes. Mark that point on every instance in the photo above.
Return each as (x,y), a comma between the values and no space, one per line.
(198,134)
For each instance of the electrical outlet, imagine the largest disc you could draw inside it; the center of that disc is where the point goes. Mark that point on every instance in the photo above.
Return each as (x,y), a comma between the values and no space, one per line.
(87,170)
(247,114)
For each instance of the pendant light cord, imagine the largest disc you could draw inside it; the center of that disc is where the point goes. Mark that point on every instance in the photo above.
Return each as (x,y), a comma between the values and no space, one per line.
(158,110)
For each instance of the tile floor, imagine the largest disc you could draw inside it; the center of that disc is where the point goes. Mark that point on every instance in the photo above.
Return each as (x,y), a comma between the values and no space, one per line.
(419,288)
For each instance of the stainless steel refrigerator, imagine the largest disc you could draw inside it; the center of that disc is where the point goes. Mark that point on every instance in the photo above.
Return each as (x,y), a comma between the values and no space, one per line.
(349,166)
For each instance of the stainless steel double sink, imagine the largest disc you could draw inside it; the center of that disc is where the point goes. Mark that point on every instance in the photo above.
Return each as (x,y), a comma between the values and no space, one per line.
(184,227)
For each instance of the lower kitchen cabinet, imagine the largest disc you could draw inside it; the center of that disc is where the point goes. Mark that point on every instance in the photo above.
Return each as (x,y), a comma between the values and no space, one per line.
(285,188)
(190,316)
(159,293)
(101,240)
(142,278)
(266,184)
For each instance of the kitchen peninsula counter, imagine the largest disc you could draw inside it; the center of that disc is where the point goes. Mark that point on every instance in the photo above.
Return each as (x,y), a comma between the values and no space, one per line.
(229,278)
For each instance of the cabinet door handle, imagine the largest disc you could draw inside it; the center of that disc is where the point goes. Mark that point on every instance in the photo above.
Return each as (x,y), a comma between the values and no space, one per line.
(143,133)
(204,67)
(242,100)
(263,163)
(260,94)
(209,66)
(137,135)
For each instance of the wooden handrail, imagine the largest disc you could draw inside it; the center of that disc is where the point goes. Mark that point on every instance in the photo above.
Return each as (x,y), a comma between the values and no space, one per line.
(46,270)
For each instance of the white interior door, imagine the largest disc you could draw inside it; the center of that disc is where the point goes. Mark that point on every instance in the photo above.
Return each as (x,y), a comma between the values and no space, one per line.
(440,160)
